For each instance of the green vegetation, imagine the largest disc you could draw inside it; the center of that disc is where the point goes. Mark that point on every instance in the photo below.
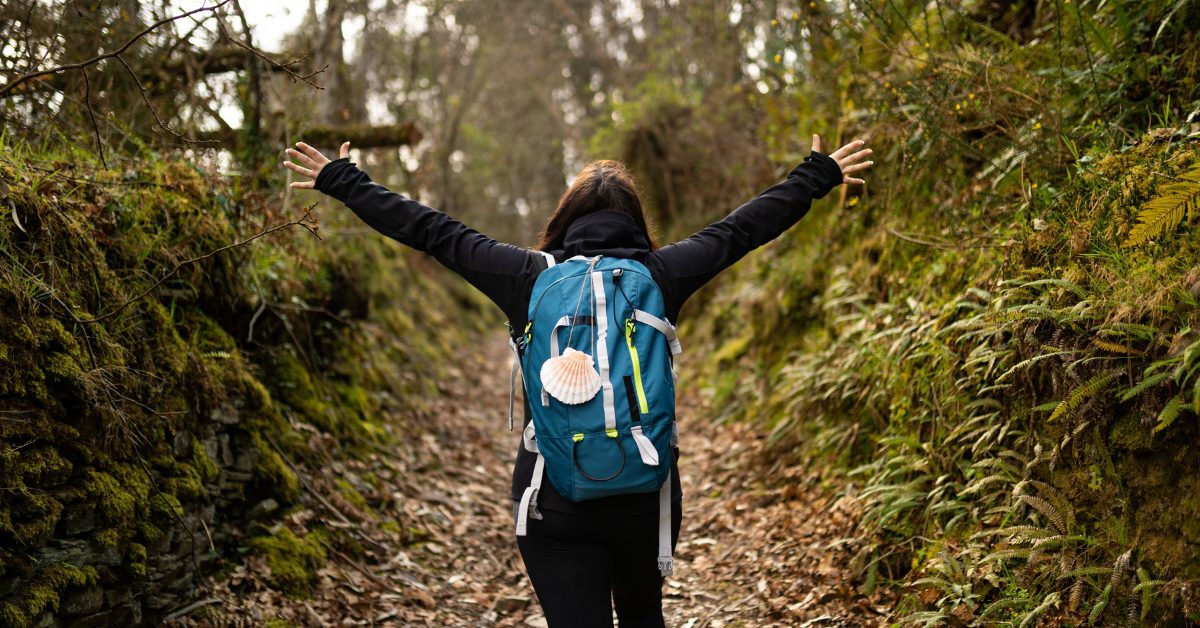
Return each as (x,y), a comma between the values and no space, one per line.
(993,345)
(293,560)
(116,404)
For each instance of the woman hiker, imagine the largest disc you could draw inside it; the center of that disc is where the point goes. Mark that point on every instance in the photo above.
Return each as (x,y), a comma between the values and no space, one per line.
(585,558)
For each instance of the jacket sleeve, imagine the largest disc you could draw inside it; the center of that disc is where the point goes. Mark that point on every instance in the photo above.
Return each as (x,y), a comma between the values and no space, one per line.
(501,271)
(692,262)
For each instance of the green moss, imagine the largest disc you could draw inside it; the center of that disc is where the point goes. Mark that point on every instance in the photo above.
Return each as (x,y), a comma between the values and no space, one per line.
(33,516)
(273,474)
(293,560)
(206,466)
(1129,434)
(43,592)
(135,559)
(108,537)
(297,389)
(352,495)
(119,501)
(98,409)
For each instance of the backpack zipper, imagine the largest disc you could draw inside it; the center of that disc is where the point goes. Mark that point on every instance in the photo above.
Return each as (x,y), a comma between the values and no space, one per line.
(633,354)
(637,367)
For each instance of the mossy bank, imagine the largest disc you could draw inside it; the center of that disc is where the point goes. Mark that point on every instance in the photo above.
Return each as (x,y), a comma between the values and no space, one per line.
(146,439)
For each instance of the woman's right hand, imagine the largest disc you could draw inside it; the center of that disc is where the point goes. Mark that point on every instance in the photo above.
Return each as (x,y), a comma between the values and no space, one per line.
(311,162)
(846,160)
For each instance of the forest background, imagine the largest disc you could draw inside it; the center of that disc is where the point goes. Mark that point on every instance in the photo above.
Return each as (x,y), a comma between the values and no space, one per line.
(993,346)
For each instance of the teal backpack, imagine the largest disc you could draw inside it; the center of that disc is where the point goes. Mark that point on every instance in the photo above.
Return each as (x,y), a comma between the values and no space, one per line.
(597,365)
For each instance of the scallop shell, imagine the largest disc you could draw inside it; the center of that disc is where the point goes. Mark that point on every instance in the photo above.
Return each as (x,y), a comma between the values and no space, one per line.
(570,378)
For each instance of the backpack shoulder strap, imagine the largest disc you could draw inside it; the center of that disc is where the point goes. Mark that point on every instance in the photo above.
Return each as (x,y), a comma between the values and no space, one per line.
(543,260)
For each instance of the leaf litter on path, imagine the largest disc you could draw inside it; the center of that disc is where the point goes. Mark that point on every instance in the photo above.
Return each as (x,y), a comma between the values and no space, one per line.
(761,545)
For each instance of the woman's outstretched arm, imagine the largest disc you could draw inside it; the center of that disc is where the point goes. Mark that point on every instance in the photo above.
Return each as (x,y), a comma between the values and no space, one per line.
(692,262)
(497,269)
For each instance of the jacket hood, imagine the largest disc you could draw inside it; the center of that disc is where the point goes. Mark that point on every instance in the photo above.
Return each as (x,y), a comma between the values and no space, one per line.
(605,232)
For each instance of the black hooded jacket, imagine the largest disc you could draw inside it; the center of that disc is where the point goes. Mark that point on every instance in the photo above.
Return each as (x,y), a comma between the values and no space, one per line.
(506,273)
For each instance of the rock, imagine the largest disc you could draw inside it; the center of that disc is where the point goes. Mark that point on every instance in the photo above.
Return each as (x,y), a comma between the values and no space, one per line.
(225,455)
(183,443)
(159,546)
(161,601)
(226,415)
(8,584)
(510,603)
(246,459)
(73,551)
(212,446)
(262,509)
(79,552)
(126,615)
(116,597)
(81,601)
(77,519)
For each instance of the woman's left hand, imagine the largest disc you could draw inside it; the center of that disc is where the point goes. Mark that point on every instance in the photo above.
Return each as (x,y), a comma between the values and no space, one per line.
(849,162)
(311,162)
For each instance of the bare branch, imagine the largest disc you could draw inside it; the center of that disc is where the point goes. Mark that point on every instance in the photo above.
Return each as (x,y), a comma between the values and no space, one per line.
(150,106)
(87,103)
(285,67)
(359,136)
(107,55)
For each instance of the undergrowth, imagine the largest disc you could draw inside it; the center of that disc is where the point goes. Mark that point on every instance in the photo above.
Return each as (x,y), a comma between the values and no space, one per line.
(126,431)
(994,346)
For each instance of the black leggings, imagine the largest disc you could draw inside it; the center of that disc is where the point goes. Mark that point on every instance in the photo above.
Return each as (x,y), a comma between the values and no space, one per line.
(584,565)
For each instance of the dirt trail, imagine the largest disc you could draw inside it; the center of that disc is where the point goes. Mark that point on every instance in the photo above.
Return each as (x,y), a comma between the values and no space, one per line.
(750,554)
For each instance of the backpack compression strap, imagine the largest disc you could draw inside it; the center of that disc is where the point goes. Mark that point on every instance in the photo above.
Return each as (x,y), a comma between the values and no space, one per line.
(528,506)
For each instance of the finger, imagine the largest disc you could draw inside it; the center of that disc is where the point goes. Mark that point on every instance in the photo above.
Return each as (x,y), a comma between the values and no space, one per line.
(344,151)
(299,169)
(860,155)
(837,154)
(852,181)
(303,185)
(816,143)
(301,157)
(856,167)
(312,152)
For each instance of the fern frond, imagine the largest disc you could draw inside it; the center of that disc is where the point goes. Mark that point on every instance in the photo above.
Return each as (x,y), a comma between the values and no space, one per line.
(1113,347)
(1136,331)
(1024,532)
(1144,385)
(1165,211)
(1066,284)
(1170,412)
(1047,509)
(1101,605)
(1033,360)
(1083,391)
(1050,601)
(1088,571)
(1015,552)
(1120,569)
(1001,604)
(1076,597)
(1042,545)
(1148,585)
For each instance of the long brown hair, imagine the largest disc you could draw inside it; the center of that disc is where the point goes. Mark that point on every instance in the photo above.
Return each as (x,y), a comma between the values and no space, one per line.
(600,185)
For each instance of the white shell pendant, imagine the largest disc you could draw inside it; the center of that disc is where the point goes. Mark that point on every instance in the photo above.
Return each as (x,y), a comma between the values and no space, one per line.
(570,378)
